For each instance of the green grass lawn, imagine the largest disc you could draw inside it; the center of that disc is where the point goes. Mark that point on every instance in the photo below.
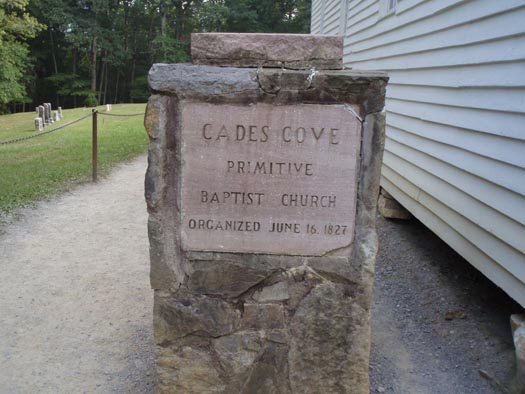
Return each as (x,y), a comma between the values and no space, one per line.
(40,167)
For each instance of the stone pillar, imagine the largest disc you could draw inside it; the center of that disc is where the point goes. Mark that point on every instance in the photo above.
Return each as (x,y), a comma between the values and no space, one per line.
(262,190)
(39,126)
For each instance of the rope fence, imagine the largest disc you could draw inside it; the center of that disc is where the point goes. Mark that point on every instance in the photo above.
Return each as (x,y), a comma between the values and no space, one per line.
(28,137)
(107,114)
(93,116)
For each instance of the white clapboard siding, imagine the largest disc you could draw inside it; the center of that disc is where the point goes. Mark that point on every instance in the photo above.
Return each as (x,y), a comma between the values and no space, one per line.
(317,12)
(332,17)
(455,146)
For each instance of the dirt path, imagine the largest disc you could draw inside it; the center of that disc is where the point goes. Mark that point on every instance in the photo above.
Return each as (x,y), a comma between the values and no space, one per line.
(75,303)
(75,299)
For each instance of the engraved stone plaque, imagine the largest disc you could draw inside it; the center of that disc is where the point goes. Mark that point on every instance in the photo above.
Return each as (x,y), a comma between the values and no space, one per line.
(268,179)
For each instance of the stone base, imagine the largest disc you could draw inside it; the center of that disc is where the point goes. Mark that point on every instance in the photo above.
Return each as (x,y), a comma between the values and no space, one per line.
(293,332)
(518,332)
(390,208)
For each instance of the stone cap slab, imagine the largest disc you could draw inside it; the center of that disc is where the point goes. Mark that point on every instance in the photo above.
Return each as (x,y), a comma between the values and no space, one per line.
(294,51)
(248,85)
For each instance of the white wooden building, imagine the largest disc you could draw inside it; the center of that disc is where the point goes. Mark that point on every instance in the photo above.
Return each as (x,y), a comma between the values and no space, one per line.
(455,148)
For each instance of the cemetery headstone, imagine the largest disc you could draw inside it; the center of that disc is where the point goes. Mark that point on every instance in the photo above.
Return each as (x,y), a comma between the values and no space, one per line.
(39,126)
(48,113)
(56,117)
(60,112)
(42,114)
(261,189)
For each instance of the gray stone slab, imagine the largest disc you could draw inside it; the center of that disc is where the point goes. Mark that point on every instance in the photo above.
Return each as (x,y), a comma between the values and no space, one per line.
(256,178)
(295,51)
(223,85)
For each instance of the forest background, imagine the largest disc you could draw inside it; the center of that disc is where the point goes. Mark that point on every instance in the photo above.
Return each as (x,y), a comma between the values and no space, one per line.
(87,52)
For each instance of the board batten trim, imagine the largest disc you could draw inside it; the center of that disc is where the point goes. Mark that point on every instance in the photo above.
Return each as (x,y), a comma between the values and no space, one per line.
(489,267)
(484,241)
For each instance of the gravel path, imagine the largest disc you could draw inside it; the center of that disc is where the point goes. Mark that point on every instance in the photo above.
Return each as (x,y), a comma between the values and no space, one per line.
(439,326)
(75,302)
(75,305)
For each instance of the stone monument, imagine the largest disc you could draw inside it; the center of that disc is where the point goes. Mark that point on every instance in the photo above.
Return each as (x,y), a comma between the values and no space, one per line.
(39,124)
(49,113)
(261,190)
(42,114)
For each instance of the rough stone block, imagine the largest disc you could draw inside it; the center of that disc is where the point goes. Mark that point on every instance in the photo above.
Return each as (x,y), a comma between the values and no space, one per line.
(239,351)
(518,334)
(330,343)
(295,51)
(391,209)
(187,370)
(263,316)
(179,315)
(275,292)
(224,278)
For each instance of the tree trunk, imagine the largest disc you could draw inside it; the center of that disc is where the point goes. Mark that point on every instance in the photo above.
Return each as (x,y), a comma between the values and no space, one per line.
(106,85)
(74,73)
(54,57)
(132,77)
(179,12)
(181,8)
(101,83)
(163,18)
(115,101)
(94,64)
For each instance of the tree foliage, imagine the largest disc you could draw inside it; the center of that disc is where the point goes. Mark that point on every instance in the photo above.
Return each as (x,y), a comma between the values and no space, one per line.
(16,27)
(102,49)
